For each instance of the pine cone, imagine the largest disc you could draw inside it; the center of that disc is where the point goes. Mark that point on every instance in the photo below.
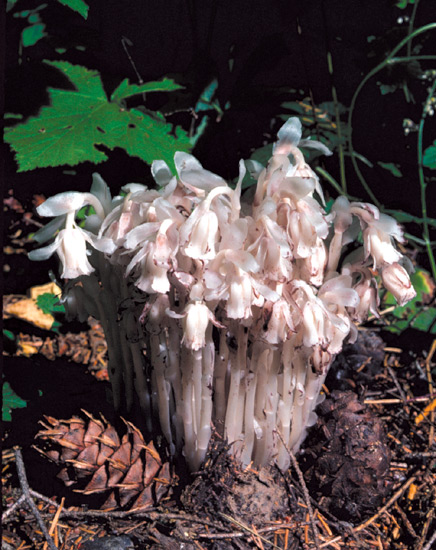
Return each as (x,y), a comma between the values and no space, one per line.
(350,457)
(129,468)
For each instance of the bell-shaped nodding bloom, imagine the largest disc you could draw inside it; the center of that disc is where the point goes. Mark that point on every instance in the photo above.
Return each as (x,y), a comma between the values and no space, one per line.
(70,242)
(195,324)
(195,320)
(378,235)
(366,287)
(396,279)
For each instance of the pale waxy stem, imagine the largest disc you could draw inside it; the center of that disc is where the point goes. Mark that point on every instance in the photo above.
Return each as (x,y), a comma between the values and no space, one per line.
(204,428)
(174,377)
(235,402)
(220,378)
(284,413)
(252,429)
(263,366)
(298,426)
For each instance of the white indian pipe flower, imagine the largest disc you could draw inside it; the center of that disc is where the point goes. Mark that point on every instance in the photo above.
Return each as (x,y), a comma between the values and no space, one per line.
(70,242)
(396,279)
(365,285)
(378,237)
(195,320)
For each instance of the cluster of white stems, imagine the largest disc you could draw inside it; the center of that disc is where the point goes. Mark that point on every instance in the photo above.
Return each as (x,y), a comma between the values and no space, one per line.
(222,311)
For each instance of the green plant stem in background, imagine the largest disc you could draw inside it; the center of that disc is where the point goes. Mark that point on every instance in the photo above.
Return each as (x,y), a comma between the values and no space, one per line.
(338,127)
(423,183)
(374,71)
(411,24)
(412,58)
(328,177)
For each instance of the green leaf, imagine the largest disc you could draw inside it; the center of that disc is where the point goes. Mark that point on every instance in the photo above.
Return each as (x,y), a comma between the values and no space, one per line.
(387,88)
(199,130)
(429,159)
(8,334)
(10,5)
(9,116)
(49,303)
(296,106)
(125,89)
(83,213)
(10,401)
(205,101)
(71,129)
(392,168)
(263,154)
(77,5)
(405,217)
(417,313)
(402,4)
(31,35)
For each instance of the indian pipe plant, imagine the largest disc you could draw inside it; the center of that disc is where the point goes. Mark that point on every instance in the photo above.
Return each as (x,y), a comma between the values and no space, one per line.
(224,309)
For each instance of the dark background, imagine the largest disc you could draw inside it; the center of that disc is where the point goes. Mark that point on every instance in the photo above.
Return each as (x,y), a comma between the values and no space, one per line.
(279,51)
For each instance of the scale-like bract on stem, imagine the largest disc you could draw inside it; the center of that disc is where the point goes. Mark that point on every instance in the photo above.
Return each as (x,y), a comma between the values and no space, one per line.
(222,313)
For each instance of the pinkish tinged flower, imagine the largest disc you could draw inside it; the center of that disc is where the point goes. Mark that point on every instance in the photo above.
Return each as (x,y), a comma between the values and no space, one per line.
(396,279)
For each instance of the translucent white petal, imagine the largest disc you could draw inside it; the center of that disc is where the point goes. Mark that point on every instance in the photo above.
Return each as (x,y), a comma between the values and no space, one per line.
(161,172)
(140,233)
(314,144)
(62,203)
(100,189)
(47,232)
(134,188)
(44,253)
(254,168)
(289,135)
(185,161)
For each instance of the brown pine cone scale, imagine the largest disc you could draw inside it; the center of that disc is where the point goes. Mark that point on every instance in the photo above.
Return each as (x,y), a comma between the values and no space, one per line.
(131,470)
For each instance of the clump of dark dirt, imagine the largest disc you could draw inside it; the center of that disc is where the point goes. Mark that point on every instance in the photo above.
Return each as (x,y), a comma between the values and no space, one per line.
(349,457)
(224,487)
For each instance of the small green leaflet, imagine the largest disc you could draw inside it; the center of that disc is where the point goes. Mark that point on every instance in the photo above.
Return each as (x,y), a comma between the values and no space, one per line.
(417,313)
(69,131)
(404,3)
(205,101)
(31,35)
(392,168)
(429,160)
(10,401)
(49,303)
(125,89)
(77,5)
(8,334)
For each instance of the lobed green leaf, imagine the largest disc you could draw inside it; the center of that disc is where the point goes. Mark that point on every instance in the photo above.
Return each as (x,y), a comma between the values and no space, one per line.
(80,123)
(77,5)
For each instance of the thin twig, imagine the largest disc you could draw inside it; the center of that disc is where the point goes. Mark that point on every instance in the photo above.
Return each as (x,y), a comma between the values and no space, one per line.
(24,484)
(240,534)
(429,544)
(12,508)
(384,508)
(253,532)
(406,521)
(304,489)
(424,531)
(397,384)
